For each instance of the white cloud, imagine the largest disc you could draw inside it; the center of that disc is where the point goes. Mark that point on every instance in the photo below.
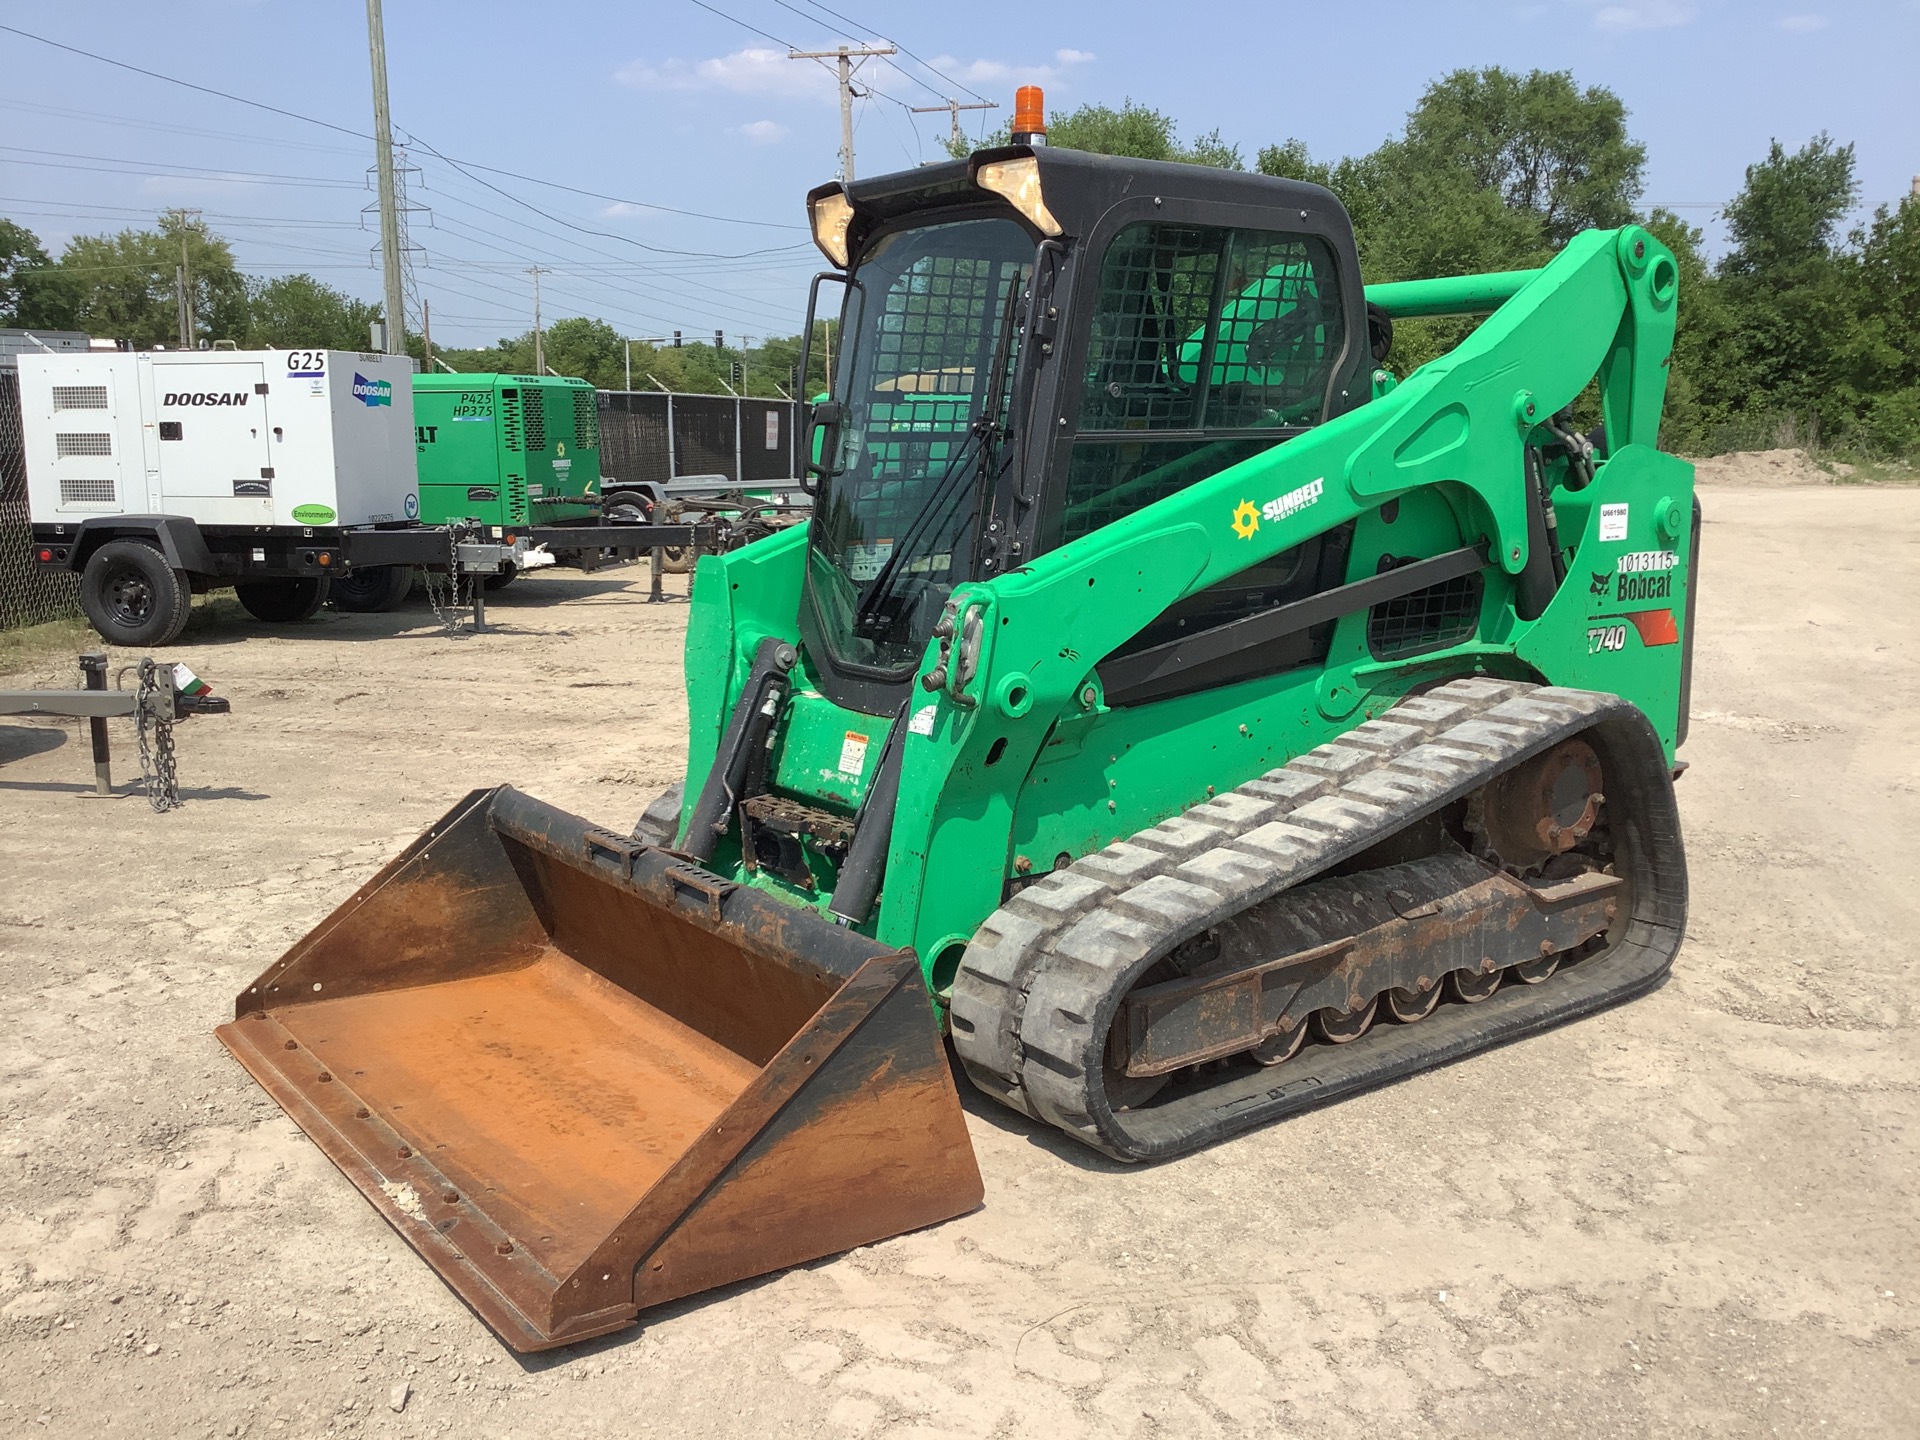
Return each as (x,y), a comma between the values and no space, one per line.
(762,132)
(1804,22)
(999,72)
(619,208)
(1651,15)
(744,72)
(1074,57)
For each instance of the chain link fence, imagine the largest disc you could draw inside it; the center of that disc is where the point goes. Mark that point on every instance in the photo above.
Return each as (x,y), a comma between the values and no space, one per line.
(28,595)
(648,435)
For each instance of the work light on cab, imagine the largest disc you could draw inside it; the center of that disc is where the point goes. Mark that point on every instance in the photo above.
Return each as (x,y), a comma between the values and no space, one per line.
(831,214)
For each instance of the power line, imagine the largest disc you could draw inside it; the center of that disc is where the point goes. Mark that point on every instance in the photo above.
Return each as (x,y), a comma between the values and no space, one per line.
(329,125)
(174,80)
(918,59)
(584,229)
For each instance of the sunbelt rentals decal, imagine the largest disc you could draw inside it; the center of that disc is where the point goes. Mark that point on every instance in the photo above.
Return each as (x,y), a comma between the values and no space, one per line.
(1247,516)
(372,392)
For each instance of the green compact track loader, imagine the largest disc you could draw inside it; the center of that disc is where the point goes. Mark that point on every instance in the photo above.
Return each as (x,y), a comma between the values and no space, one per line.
(1191,722)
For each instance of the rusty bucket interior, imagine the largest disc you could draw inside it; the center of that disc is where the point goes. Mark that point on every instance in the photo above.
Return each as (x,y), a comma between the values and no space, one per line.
(582,1076)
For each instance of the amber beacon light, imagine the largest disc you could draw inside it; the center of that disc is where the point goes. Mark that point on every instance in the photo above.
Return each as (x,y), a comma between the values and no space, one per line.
(1029,116)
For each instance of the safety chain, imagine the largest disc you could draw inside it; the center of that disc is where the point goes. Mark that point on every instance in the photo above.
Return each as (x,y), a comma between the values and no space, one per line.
(157,769)
(452,615)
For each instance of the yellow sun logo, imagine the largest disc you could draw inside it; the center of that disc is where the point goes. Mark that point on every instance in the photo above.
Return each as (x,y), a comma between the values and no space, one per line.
(1246,519)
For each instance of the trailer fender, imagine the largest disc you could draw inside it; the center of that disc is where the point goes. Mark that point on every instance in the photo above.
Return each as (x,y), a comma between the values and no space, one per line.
(177,536)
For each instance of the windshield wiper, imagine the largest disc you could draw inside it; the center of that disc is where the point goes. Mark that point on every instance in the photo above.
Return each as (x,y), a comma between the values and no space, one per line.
(983,434)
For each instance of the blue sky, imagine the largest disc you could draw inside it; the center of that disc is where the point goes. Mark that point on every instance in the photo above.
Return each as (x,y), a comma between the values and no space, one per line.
(673,104)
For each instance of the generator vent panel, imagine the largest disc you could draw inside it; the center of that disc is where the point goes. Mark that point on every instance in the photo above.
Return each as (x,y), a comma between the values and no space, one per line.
(1429,619)
(79,397)
(510,428)
(516,497)
(86,490)
(534,401)
(586,420)
(88,443)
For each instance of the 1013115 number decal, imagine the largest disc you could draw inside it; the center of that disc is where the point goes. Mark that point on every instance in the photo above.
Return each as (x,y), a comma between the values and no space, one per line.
(1606,637)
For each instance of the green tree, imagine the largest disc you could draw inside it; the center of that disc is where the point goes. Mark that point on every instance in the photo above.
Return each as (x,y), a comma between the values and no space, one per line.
(1134,130)
(297,310)
(1539,141)
(1784,287)
(29,295)
(123,286)
(1878,361)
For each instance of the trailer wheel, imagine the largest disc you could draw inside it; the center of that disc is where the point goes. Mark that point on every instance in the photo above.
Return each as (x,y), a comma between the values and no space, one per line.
(370,589)
(678,559)
(501,579)
(281,602)
(661,820)
(132,596)
(626,507)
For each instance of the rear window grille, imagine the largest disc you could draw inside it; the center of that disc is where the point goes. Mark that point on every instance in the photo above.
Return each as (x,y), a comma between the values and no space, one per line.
(586,421)
(79,397)
(1429,619)
(82,444)
(86,490)
(534,406)
(510,430)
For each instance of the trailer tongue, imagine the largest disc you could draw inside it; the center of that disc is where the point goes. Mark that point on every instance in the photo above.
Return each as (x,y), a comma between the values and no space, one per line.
(582,1077)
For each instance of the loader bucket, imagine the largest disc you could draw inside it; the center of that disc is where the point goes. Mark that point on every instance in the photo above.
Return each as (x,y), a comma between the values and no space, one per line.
(582,1077)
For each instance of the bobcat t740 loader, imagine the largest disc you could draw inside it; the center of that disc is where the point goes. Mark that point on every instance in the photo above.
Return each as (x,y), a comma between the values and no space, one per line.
(1190,721)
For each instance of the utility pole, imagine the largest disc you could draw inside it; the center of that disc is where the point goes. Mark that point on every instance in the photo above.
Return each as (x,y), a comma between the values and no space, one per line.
(846,55)
(954,107)
(389,203)
(539,340)
(183,275)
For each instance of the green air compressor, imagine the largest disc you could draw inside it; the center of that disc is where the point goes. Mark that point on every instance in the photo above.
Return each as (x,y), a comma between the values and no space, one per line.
(507,449)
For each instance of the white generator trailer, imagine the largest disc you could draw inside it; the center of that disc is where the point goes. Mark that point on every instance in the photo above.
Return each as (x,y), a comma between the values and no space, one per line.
(157,476)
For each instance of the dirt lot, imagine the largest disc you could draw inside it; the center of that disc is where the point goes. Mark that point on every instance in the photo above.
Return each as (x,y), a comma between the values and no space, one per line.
(1693,1215)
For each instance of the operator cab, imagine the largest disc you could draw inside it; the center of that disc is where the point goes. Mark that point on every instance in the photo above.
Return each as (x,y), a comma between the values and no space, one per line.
(1034,344)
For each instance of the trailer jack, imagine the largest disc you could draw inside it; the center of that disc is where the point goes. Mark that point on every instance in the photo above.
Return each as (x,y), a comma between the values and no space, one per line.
(160,699)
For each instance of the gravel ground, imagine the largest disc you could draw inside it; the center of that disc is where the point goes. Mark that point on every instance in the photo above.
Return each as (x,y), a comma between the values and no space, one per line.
(1692,1215)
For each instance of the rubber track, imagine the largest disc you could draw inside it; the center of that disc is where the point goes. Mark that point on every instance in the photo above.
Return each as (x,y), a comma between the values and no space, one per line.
(1040,983)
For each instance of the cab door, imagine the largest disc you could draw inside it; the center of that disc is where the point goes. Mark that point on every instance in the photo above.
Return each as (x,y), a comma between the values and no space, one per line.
(215,464)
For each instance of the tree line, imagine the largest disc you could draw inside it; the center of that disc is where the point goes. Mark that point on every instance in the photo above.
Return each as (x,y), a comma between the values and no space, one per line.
(1803,331)
(125,287)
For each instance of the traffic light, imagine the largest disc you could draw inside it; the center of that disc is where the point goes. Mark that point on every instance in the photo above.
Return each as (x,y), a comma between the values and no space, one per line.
(676,339)
(739,375)
(719,340)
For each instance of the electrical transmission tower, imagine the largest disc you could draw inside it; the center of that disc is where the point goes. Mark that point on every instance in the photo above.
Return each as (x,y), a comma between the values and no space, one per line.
(404,173)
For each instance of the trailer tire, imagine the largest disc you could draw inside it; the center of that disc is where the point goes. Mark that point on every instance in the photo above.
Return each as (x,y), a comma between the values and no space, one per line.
(283,602)
(660,821)
(132,596)
(626,507)
(501,579)
(370,589)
